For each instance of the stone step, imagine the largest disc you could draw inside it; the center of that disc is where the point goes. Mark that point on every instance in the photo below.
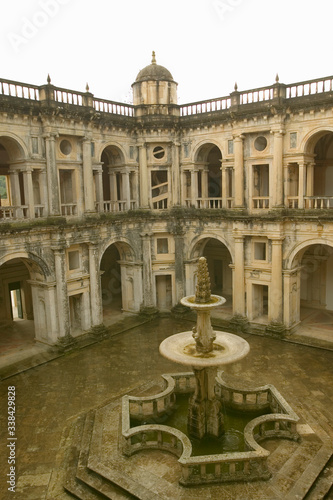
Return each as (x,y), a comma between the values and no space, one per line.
(83,483)
(323,484)
(311,473)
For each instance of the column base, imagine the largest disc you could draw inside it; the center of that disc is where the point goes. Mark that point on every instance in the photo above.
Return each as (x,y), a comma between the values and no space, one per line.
(149,312)
(66,343)
(277,329)
(239,323)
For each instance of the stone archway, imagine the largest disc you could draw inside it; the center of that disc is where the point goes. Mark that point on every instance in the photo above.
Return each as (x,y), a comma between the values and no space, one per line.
(219,260)
(209,176)
(120,281)
(27,300)
(311,286)
(12,193)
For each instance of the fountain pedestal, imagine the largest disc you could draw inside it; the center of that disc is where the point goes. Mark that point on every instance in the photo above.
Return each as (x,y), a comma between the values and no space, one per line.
(205,417)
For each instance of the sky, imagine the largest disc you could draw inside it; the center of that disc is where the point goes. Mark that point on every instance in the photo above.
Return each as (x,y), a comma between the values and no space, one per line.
(207,45)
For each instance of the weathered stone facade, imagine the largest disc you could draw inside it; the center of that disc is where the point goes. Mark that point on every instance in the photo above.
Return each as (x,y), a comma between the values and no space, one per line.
(107,203)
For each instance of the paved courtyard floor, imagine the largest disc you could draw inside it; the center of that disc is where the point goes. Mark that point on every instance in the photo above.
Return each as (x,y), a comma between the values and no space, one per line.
(51,396)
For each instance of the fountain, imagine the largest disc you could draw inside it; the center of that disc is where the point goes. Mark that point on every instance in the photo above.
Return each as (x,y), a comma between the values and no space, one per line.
(204,350)
(213,428)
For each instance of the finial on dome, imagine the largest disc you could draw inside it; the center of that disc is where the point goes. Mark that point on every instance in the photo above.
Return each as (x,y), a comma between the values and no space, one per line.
(48,79)
(277,79)
(236,87)
(153,60)
(87,87)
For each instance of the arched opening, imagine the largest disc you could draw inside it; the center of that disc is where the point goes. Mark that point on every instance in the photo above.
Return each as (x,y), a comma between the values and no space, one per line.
(209,176)
(117,182)
(23,314)
(323,169)
(315,286)
(218,261)
(12,193)
(118,279)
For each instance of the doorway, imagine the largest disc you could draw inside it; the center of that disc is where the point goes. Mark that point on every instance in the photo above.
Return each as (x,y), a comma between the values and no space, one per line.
(16,300)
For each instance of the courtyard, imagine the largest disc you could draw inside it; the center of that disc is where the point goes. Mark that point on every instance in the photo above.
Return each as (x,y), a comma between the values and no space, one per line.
(52,396)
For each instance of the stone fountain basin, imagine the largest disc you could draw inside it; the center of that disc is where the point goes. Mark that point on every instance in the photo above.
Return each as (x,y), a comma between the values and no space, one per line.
(215,301)
(181,348)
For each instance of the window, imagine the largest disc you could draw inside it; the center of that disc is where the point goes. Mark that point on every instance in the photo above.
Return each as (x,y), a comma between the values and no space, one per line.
(158,152)
(73,260)
(260,250)
(260,143)
(65,147)
(159,189)
(162,245)
(293,140)
(3,187)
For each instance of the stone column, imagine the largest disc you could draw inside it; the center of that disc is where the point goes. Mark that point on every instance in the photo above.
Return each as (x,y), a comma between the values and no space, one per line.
(194,187)
(95,286)
(135,188)
(88,179)
(301,184)
(224,187)
(99,188)
(175,170)
(43,191)
(15,192)
(143,169)
(238,293)
(148,299)
(52,175)
(310,179)
(239,171)
(62,294)
(113,190)
(179,265)
(204,186)
(276,188)
(29,191)
(275,292)
(126,194)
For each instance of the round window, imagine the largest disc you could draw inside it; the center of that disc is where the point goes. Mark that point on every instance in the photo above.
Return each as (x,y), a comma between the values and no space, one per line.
(260,143)
(65,147)
(158,152)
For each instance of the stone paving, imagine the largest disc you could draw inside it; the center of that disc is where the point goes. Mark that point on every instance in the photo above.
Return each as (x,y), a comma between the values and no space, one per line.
(50,397)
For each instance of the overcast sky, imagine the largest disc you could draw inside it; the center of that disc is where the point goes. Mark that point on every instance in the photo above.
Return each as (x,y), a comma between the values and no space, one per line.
(207,45)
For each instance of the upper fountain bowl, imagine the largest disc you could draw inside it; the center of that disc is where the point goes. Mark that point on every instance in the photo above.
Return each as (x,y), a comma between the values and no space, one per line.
(227,348)
(215,301)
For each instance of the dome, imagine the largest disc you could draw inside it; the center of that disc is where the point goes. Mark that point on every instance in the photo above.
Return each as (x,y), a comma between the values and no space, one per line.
(154,72)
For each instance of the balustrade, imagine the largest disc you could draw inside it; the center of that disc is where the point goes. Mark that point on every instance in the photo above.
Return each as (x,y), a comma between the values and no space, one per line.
(318,202)
(17,89)
(68,209)
(261,202)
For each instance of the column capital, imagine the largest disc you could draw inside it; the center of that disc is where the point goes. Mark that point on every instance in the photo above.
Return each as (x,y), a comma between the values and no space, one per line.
(50,136)
(238,237)
(277,240)
(278,132)
(147,234)
(238,137)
